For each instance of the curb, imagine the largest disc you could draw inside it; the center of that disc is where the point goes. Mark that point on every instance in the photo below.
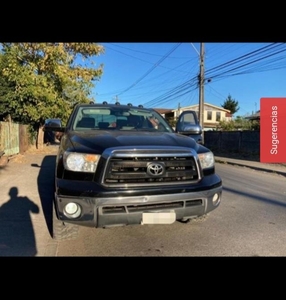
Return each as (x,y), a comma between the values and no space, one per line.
(251,166)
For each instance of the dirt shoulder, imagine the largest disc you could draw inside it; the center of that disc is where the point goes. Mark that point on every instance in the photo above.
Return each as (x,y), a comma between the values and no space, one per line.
(22,158)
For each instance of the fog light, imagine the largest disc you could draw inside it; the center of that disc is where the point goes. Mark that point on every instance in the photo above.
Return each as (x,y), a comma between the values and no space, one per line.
(72,210)
(216,199)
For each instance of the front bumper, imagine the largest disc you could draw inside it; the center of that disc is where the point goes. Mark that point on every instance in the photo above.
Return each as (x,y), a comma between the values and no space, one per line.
(123,209)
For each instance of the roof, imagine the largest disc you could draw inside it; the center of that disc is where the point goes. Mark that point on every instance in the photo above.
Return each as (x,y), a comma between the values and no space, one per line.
(163,110)
(196,107)
(255,116)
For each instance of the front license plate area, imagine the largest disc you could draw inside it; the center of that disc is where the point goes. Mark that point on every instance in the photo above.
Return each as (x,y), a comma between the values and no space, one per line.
(168,217)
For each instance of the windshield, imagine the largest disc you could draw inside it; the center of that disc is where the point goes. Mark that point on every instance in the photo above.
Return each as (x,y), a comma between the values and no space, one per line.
(119,118)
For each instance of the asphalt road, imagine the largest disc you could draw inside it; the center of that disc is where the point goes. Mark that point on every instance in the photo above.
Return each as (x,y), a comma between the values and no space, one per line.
(249,222)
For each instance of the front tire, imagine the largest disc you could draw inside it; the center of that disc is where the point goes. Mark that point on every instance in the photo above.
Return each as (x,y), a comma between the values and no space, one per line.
(62,230)
(196,219)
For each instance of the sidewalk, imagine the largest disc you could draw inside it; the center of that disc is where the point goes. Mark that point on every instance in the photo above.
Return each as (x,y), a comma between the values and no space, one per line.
(265,167)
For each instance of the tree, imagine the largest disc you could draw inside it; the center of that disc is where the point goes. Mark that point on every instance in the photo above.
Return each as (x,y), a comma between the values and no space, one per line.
(6,88)
(231,105)
(45,80)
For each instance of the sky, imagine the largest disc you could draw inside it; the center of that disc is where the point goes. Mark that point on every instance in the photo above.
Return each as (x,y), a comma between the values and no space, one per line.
(165,75)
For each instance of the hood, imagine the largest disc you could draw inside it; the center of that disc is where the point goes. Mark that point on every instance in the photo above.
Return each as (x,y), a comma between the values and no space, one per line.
(98,141)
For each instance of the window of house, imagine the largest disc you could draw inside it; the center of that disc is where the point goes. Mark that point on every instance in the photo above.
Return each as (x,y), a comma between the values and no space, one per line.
(209,116)
(218,116)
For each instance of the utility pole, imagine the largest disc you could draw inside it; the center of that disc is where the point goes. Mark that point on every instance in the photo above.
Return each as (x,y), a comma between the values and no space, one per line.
(116,98)
(179,110)
(201,88)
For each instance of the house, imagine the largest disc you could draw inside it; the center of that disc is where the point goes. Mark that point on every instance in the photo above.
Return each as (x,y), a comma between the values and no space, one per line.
(212,114)
(254,117)
(165,112)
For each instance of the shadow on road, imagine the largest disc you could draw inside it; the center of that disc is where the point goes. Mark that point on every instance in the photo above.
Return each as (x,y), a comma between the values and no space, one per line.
(17,237)
(46,181)
(256,197)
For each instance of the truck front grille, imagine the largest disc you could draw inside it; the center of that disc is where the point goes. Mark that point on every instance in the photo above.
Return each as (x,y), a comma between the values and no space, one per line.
(146,170)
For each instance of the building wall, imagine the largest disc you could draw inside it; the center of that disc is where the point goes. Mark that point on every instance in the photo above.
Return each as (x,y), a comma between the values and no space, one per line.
(214,116)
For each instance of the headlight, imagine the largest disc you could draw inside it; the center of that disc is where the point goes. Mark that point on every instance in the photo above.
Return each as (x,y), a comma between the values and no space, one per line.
(81,162)
(206,160)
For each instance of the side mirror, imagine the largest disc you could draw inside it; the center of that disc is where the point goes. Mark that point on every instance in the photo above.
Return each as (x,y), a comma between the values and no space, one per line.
(188,125)
(53,125)
(53,130)
(191,129)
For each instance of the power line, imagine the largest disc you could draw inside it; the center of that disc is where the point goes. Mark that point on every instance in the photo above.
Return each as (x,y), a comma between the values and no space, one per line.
(264,58)
(184,88)
(150,70)
(243,64)
(138,51)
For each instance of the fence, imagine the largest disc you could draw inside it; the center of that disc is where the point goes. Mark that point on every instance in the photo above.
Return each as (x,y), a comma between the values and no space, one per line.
(14,138)
(233,141)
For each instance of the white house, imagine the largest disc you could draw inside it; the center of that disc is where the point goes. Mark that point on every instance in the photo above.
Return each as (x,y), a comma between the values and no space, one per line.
(212,114)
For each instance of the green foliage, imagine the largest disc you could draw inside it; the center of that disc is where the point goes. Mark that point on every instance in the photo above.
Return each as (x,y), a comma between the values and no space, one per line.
(231,105)
(226,125)
(238,124)
(255,125)
(43,80)
(6,88)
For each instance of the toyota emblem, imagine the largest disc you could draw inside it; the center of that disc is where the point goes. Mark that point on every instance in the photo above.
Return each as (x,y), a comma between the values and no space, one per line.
(155,169)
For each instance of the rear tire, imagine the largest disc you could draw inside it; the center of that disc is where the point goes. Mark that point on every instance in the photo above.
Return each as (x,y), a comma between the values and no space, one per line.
(62,230)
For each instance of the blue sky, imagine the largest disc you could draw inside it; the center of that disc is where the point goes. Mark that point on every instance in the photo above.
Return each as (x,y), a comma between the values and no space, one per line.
(164,75)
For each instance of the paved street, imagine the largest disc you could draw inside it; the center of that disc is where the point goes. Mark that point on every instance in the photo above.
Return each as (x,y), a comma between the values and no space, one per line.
(26,185)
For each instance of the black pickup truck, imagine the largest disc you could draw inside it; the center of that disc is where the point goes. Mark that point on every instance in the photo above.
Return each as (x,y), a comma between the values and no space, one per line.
(123,165)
